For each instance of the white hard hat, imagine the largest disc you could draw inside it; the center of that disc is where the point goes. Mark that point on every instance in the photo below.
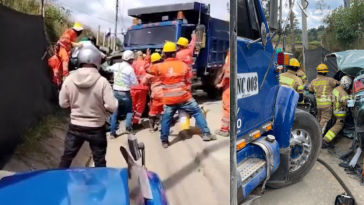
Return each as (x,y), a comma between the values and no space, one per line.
(346,81)
(128,55)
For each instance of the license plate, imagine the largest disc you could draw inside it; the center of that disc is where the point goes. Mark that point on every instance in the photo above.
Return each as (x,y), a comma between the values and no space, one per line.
(247,85)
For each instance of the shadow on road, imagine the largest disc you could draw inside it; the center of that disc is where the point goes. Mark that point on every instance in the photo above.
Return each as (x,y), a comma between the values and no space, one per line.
(184,172)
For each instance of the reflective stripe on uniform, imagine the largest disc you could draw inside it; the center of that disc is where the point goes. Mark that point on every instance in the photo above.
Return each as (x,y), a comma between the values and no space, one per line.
(175,85)
(175,93)
(303,77)
(300,87)
(322,100)
(286,80)
(330,135)
(336,94)
(340,113)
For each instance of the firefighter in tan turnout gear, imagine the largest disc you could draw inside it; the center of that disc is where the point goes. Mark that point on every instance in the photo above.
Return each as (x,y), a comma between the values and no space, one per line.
(339,110)
(303,76)
(291,79)
(322,87)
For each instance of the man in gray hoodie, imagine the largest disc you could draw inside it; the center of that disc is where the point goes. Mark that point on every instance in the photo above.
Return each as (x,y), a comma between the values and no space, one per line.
(90,97)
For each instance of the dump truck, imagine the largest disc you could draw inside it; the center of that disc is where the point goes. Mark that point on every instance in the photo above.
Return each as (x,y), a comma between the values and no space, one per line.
(277,144)
(153,26)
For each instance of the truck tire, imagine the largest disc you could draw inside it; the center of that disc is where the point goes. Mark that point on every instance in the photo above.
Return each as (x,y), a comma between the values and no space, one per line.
(303,121)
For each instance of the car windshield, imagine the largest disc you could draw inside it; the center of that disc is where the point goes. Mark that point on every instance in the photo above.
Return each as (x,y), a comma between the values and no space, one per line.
(150,36)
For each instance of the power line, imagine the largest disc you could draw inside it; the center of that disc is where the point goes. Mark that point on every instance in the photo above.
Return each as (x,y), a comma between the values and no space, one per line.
(83,12)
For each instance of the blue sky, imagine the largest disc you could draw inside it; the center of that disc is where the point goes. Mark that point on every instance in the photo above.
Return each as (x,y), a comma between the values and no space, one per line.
(314,17)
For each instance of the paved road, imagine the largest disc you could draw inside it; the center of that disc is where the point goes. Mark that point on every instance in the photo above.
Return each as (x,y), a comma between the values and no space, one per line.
(193,172)
(319,186)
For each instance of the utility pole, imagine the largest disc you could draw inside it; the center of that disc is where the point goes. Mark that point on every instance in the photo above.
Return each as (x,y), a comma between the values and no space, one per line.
(98,35)
(293,49)
(304,33)
(116,22)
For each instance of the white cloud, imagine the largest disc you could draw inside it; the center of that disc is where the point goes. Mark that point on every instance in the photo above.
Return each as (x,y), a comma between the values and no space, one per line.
(102,12)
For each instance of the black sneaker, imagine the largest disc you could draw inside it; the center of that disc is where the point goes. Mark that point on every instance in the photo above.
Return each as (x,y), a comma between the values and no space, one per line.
(326,145)
(165,145)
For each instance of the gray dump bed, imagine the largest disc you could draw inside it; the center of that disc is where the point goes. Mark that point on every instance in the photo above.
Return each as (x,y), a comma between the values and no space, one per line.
(193,6)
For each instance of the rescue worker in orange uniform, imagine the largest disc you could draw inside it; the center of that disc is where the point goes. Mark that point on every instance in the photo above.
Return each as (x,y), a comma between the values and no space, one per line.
(176,80)
(185,51)
(59,62)
(225,85)
(156,103)
(322,87)
(139,92)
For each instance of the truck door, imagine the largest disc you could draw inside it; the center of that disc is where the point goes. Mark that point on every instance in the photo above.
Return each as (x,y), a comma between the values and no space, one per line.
(255,106)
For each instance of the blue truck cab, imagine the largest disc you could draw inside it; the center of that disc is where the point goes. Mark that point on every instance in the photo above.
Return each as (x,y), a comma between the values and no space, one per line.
(277,145)
(153,26)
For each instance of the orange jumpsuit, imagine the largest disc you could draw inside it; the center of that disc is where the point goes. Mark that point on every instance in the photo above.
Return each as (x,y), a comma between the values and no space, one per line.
(59,61)
(186,55)
(156,103)
(139,92)
(225,82)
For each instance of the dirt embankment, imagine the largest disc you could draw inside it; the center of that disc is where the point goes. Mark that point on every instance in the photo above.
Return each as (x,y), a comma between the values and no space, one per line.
(44,152)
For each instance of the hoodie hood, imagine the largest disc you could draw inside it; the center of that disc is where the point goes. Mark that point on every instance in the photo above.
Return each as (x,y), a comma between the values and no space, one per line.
(85,77)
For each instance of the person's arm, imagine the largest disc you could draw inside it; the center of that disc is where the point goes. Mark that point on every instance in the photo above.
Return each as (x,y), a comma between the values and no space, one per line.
(153,69)
(310,88)
(188,77)
(334,83)
(112,68)
(63,95)
(192,45)
(132,77)
(110,102)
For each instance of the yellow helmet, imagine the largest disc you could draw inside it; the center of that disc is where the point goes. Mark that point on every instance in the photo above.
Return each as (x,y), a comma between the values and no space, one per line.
(155,57)
(77,26)
(322,68)
(182,42)
(294,62)
(169,47)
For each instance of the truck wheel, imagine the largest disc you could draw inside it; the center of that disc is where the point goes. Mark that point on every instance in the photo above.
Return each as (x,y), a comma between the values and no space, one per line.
(305,145)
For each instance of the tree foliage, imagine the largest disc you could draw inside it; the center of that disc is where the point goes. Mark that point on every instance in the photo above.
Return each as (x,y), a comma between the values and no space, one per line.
(345,27)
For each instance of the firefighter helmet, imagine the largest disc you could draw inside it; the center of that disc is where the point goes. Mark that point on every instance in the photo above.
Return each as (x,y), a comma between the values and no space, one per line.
(169,47)
(155,57)
(294,62)
(322,68)
(182,42)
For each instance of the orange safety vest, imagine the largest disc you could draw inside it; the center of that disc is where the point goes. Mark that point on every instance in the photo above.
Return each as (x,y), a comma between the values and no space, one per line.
(139,69)
(174,76)
(67,38)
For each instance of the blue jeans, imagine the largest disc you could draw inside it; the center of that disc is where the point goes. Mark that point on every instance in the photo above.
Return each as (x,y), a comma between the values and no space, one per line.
(125,106)
(192,108)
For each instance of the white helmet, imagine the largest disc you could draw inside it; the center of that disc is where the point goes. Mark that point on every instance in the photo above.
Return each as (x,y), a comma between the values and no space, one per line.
(128,55)
(346,81)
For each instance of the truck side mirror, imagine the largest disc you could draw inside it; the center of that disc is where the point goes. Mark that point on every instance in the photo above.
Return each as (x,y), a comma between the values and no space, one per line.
(263,32)
(273,15)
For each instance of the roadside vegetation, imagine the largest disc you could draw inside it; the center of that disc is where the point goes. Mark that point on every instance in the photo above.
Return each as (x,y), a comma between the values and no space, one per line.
(345,27)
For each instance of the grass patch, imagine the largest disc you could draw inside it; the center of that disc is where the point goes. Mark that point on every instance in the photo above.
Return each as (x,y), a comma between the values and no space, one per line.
(40,132)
